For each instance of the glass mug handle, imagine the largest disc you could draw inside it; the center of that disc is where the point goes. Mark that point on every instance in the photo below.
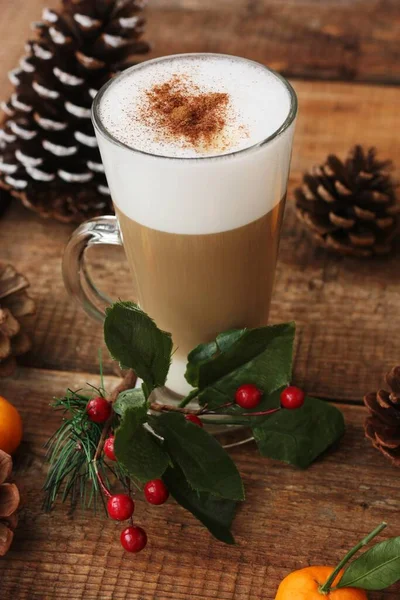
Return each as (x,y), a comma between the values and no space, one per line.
(98,231)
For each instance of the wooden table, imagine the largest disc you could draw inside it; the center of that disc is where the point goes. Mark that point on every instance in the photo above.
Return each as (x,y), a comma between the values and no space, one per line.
(347,314)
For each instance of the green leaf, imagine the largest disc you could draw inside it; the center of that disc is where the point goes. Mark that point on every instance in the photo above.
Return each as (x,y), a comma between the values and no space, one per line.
(205,464)
(128,399)
(205,352)
(299,436)
(262,356)
(136,448)
(216,514)
(376,569)
(135,341)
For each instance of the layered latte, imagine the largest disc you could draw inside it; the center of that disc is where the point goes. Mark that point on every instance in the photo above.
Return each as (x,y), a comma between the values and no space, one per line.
(196,150)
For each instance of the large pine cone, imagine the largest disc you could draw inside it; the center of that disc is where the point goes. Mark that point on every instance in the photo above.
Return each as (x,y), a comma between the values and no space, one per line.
(15,304)
(350,206)
(382,427)
(48,151)
(9,501)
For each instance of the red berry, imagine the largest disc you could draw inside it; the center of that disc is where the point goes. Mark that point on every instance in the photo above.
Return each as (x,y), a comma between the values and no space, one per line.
(194,419)
(248,396)
(156,492)
(98,409)
(120,507)
(292,397)
(133,538)
(109,448)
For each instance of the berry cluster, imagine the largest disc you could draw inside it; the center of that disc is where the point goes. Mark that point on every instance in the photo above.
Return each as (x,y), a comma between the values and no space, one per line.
(120,507)
(248,396)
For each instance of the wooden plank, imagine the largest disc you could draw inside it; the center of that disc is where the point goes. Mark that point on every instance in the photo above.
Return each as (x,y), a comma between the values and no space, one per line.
(291,519)
(347,40)
(346,309)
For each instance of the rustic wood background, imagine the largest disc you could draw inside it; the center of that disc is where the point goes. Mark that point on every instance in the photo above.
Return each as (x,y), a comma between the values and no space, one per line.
(343,60)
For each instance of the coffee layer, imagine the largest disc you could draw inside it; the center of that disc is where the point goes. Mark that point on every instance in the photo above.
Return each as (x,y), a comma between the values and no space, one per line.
(196,286)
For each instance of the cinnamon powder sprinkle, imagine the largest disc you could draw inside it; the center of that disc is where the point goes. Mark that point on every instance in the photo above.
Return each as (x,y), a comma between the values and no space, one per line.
(181,112)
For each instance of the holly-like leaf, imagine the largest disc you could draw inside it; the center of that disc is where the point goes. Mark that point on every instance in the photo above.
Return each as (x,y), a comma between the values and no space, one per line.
(135,341)
(205,352)
(216,514)
(299,436)
(262,356)
(376,569)
(135,447)
(128,399)
(205,464)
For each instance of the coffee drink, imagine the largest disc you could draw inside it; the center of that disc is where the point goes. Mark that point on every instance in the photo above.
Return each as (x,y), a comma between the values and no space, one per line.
(196,150)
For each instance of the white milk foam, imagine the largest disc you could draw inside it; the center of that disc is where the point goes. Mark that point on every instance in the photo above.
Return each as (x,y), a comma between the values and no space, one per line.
(258,103)
(181,193)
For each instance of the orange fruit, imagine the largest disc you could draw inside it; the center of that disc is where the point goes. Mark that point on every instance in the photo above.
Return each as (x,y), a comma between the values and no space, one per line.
(304,584)
(10,427)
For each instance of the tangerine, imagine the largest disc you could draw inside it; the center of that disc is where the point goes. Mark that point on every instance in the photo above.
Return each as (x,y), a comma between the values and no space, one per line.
(304,585)
(10,427)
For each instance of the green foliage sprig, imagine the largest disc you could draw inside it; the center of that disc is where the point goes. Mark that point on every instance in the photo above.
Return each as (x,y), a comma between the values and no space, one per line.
(72,473)
(198,472)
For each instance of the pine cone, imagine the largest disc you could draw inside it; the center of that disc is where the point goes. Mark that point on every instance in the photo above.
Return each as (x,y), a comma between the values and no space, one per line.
(382,427)
(48,151)
(14,305)
(9,501)
(350,206)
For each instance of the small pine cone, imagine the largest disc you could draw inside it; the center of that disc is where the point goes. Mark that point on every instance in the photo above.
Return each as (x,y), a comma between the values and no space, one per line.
(49,157)
(350,206)
(382,427)
(15,304)
(9,501)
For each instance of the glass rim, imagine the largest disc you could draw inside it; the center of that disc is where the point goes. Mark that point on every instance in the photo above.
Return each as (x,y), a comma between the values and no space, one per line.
(100,127)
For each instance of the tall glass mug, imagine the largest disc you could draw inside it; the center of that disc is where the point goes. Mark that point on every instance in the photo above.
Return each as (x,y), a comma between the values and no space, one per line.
(201,233)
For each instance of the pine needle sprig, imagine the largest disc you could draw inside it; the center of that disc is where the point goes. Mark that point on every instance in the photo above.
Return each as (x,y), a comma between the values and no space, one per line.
(70,453)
